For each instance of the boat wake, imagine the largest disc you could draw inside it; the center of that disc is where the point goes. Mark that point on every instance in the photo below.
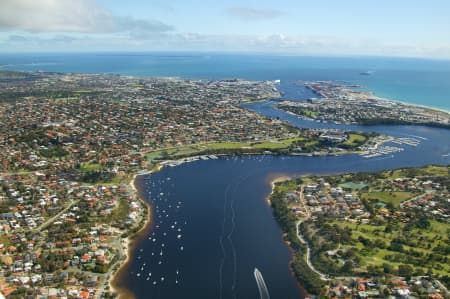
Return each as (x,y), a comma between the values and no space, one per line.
(228,229)
(262,288)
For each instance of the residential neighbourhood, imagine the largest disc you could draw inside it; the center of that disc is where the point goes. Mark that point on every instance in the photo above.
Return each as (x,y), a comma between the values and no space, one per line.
(374,234)
(345,103)
(70,146)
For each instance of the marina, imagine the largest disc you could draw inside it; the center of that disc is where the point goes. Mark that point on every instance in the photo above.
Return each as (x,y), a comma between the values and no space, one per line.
(174,163)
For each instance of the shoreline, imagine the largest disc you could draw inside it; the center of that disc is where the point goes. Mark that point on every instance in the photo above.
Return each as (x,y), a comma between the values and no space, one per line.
(273,181)
(440,109)
(324,276)
(128,243)
(431,125)
(370,90)
(293,253)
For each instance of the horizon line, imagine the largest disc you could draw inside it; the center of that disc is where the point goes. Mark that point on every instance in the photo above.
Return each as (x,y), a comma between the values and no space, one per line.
(231,52)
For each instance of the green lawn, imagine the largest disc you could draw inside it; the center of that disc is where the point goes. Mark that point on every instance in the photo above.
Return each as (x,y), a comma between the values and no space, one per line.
(430,170)
(121,212)
(434,235)
(353,186)
(227,145)
(311,143)
(437,170)
(286,186)
(180,150)
(279,144)
(389,197)
(5,240)
(310,113)
(87,167)
(196,148)
(355,139)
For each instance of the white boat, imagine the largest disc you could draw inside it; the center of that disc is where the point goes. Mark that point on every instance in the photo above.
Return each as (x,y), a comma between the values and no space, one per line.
(262,288)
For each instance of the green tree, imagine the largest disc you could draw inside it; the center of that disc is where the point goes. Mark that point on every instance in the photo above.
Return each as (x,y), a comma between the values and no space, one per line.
(405,271)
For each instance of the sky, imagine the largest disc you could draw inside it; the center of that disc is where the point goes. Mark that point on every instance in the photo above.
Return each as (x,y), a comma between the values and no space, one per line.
(409,28)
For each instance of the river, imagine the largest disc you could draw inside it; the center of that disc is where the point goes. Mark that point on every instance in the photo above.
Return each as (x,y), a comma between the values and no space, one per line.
(212,224)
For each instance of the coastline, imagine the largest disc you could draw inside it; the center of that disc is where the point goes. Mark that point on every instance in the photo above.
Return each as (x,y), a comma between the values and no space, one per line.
(440,109)
(403,102)
(280,178)
(277,178)
(373,92)
(339,277)
(128,243)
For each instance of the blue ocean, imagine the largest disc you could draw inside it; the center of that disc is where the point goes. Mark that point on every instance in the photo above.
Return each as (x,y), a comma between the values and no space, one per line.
(416,81)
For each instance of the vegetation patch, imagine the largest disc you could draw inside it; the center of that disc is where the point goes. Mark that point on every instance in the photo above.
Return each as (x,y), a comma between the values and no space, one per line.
(394,198)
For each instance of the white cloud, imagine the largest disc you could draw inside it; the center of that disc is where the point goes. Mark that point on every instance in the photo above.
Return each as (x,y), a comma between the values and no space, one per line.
(254,14)
(68,16)
(272,43)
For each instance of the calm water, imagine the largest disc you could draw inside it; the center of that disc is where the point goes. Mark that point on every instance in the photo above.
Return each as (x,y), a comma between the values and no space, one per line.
(418,81)
(213,226)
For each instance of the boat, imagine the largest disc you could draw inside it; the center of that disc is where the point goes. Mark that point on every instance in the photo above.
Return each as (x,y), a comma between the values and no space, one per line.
(367,73)
(262,288)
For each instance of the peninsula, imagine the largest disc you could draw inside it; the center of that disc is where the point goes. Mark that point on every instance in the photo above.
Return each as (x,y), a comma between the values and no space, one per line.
(345,103)
(368,234)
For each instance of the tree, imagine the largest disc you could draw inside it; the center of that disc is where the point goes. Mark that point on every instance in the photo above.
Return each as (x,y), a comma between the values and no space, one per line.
(387,268)
(347,267)
(396,246)
(405,271)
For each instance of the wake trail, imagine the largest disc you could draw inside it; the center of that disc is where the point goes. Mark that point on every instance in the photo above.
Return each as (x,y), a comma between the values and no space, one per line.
(231,188)
(222,247)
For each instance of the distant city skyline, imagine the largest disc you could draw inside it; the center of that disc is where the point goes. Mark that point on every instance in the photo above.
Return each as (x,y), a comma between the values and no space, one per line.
(351,27)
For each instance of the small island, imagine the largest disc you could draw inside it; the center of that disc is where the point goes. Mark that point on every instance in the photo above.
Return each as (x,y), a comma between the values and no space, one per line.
(368,234)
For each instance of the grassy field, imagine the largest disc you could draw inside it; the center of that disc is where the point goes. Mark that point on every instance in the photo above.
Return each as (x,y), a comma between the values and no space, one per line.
(121,212)
(424,240)
(87,167)
(287,186)
(311,143)
(197,148)
(310,113)
(395,198)
(284,143)
(355,139)
(226,145)
(5,240)
(430,170)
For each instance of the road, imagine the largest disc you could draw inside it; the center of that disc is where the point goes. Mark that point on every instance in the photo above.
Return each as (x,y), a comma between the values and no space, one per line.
(323,276)
(52,219)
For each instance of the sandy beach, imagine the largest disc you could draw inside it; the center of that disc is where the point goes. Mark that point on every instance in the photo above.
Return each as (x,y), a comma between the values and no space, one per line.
(128,243)
(276,178)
